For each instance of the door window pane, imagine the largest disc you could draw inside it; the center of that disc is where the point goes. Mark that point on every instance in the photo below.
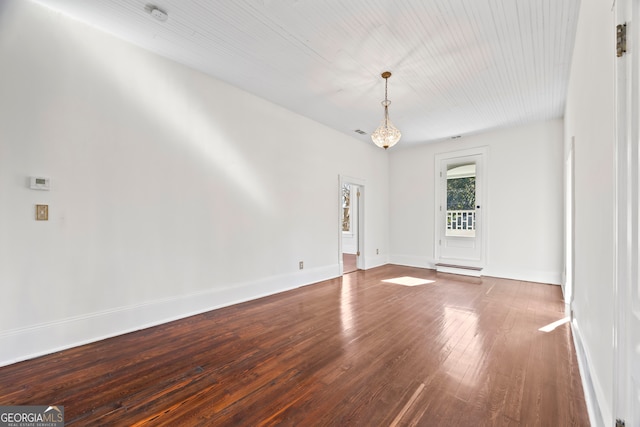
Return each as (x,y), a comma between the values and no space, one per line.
(461,200)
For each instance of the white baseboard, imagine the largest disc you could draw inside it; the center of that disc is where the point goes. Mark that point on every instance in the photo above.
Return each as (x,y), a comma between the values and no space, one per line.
(551,277)
(538,276)
(373,261)
(593,393)
(413,261)
(26,343)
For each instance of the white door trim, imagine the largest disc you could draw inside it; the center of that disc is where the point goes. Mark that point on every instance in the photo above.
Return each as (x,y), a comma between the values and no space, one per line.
(569,221)
(358,222)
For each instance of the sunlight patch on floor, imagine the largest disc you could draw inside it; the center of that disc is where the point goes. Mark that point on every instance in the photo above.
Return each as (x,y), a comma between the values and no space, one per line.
(409,281)
(551,326)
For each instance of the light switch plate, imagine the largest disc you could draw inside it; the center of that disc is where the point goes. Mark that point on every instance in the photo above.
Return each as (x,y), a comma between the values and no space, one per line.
(42,212)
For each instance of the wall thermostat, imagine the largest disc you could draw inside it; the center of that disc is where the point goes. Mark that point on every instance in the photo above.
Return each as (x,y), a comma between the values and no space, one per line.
(40,183)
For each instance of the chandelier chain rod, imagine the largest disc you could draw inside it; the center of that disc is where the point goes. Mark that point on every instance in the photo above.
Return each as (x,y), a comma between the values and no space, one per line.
(386,104)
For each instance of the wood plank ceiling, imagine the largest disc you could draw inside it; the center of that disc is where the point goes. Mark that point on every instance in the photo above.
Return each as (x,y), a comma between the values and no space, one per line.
(459,66)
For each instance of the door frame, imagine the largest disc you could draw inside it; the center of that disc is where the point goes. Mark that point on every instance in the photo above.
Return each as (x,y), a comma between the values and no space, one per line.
(569,227)
(481,178)
(358,221)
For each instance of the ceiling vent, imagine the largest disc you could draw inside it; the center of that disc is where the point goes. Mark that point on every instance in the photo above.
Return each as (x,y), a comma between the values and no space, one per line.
(361,132)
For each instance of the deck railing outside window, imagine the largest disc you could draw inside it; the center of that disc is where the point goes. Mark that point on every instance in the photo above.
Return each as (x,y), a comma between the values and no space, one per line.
(461,220)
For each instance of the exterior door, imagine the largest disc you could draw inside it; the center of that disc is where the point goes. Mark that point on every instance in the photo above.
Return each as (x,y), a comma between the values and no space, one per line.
(459,215)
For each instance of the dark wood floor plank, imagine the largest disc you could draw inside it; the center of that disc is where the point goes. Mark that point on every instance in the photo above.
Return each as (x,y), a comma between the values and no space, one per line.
(351,351)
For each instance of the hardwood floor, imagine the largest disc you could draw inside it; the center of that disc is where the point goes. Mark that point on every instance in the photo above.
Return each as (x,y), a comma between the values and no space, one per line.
(349,263)
(349,351)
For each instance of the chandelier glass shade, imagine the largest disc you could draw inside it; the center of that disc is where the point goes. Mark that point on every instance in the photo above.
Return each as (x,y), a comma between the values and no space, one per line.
(387,135)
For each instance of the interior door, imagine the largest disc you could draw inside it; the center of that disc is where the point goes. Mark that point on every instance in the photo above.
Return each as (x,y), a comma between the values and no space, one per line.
(627,324)
(460,222)
(633,349)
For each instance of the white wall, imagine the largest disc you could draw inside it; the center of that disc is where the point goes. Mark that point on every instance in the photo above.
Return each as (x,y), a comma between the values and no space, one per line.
(589,117)
(524,202)
(172,193)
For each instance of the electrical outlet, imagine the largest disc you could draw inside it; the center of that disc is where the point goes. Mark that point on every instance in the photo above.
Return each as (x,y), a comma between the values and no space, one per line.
(377,251)
(301,265)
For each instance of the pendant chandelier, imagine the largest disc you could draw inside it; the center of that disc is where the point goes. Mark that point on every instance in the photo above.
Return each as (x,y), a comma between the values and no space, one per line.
(387,135)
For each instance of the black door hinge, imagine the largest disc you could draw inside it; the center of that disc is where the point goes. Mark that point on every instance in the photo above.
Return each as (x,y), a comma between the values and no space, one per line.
(621,39)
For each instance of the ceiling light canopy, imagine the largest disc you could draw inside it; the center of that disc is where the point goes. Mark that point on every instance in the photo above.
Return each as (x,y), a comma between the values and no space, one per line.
(157,13)
(387,135)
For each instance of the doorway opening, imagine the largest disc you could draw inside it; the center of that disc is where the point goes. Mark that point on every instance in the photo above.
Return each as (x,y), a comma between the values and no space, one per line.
(351,225)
